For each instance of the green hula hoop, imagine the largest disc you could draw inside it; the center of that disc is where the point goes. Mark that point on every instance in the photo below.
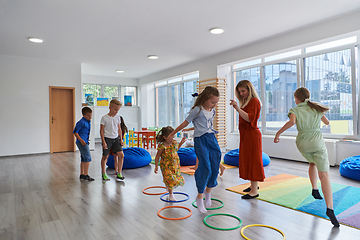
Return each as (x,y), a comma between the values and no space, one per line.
(223,229)
(213,208)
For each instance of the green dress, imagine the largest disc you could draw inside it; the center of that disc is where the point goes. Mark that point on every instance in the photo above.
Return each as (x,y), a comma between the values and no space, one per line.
(309,140)
(170,166)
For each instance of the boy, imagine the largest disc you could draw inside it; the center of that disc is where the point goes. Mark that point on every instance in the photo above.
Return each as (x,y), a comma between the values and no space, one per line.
(82,132)
(111,138)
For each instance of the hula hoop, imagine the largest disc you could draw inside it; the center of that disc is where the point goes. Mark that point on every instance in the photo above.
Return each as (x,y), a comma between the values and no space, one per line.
(259,225)
(153,193)
(161,197)
(180,218)
(213,208)
(224,214)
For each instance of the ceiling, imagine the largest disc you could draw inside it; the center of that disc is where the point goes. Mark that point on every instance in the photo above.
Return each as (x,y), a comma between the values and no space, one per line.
(108,35)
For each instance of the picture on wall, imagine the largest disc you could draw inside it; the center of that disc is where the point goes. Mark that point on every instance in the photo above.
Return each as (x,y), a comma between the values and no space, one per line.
(89,99)
(102,102)
(127,100)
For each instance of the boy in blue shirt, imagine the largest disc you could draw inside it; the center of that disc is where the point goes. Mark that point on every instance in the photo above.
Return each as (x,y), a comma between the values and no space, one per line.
(82,133)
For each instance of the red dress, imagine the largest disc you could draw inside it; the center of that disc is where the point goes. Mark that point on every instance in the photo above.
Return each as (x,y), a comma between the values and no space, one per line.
(250,150)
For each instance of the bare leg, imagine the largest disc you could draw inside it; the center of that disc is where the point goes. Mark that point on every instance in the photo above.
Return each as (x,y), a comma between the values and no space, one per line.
(313,175)
(121,161)
(103,163)
(326,188)
(116,166)
(222,169)
(86,168)
(254,188)
(82,171)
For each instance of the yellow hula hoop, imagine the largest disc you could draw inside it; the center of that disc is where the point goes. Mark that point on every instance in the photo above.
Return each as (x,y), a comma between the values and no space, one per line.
(259,225)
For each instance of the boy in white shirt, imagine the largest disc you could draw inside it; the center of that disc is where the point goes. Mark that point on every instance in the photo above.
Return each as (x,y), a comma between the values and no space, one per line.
(111,138)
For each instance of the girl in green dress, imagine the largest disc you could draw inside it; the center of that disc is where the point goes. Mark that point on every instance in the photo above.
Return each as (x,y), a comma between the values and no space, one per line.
(170,162)
(310,142)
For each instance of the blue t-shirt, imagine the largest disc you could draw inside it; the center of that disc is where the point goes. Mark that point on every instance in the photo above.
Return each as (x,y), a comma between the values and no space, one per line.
(83,127)
(202,124)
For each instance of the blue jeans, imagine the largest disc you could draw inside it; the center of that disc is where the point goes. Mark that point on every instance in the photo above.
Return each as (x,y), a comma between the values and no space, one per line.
(209,155)
(84,152)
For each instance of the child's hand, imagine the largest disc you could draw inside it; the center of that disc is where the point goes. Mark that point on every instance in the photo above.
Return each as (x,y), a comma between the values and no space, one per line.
(276,138)
(82,142)
(194,167)
(183,140)
(105,146)
(156,169)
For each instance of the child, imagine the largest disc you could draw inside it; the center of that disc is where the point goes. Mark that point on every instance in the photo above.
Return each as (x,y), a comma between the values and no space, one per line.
(205,144)
(82,132)
(124,130)
(222,167)
(111,138)
(170,162)
(310,142)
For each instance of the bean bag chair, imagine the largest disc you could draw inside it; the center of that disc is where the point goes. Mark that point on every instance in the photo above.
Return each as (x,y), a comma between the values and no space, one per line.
(232,158)
(350,167)
(134,157)
(187,156)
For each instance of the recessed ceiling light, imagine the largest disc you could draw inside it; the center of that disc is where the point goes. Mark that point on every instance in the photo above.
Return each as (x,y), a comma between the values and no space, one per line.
(216,30)
(35,40)
(119,71)
(153,57)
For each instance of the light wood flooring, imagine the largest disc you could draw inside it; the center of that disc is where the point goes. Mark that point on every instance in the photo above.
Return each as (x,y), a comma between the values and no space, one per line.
(41,197)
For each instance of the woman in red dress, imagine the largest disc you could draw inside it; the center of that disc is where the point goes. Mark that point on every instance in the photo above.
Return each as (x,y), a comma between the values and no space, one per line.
(250,150)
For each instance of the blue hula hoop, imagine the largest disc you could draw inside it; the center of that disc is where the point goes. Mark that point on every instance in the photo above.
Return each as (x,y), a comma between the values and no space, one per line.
(161,197)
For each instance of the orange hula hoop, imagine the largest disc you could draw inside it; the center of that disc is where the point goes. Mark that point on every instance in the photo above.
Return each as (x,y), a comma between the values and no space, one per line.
(180,218)
(154,193)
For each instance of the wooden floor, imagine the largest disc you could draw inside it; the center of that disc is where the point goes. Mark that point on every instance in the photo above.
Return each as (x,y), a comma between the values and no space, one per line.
(41,197)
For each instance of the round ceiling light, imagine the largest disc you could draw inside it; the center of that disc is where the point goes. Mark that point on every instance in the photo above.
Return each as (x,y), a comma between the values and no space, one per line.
(35,40)
(216,30)
(153,57)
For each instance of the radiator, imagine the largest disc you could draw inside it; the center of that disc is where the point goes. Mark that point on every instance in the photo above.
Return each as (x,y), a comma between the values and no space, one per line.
(287,149)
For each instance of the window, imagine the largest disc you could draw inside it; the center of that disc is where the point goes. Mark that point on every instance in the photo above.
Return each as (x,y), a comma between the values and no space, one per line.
(328,70)
(280,84)
(328,77)
(174,99)
(93,92)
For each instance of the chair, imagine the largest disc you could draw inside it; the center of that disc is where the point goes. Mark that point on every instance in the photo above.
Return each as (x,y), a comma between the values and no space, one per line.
(133,139)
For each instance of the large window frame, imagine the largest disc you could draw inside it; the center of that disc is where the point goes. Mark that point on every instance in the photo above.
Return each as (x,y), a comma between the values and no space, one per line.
(169,84)
(299,55)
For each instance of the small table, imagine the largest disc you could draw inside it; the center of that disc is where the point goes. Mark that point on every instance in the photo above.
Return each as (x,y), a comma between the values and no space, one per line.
(147,134)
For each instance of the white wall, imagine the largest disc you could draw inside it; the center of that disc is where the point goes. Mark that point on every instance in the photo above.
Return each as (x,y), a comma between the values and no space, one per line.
(147,103)
(24,97)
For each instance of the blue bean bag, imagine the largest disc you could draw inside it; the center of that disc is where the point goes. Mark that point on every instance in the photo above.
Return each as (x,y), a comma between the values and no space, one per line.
(134,157)
(232,158)
(187,156)
(350,167)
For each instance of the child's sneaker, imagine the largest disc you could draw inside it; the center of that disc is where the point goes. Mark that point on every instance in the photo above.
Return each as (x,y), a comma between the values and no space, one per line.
(87,177)
(82,176)
(119,176)
(105,177)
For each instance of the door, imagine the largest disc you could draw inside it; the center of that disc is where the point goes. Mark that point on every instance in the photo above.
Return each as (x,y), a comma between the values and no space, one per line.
(62,119)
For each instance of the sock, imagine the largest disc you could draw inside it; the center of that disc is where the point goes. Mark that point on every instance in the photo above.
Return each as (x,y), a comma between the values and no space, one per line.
(316,194)
(172,197)
(207,199)
(200,205)
(330,213)
(118,174)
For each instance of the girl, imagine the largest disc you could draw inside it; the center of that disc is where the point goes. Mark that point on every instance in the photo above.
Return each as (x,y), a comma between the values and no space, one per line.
(170,162)
(250,150)
(310,142)
(205,144)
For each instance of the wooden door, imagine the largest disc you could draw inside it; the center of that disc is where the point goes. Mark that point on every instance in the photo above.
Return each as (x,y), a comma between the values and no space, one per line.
(62,119)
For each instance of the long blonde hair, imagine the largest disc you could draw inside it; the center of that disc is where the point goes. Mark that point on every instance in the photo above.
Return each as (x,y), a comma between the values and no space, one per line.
(205,95)
(252,93)
(303,95)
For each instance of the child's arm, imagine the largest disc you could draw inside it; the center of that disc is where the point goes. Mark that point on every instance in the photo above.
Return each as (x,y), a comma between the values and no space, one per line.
(157,157)
(179,128)
(120,134)
(102,129)
(188,129)
(241,112)
(325,120)
(80,139)
(182,142)
(286,126)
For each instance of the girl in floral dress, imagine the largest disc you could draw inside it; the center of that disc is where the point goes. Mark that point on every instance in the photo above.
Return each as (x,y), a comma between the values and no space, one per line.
(169,160)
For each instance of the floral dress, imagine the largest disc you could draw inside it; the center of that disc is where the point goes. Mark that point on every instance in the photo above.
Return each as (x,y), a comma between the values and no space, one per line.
(170,166)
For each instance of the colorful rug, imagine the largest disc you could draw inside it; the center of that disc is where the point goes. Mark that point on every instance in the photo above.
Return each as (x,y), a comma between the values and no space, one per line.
(295,192)
(187,170)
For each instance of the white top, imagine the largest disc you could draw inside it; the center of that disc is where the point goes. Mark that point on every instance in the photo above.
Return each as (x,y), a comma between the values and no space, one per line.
(209,117)
(111,124)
